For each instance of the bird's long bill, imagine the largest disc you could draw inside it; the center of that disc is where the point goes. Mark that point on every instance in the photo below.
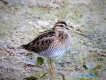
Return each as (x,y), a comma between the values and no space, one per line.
(67,28)
(80,33)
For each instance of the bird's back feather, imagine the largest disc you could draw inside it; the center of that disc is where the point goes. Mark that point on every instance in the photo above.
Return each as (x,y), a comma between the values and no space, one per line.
(41,42)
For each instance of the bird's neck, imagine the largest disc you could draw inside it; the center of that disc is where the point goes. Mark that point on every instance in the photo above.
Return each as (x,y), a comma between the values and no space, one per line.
(61,35)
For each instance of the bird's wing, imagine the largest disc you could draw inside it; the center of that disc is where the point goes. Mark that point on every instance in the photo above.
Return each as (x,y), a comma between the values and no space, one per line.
(41,42)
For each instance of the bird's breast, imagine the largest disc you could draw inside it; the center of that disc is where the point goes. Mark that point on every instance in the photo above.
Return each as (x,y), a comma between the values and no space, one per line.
(58,47)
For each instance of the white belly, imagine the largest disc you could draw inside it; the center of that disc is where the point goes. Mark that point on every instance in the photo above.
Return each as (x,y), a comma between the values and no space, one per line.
(57,53)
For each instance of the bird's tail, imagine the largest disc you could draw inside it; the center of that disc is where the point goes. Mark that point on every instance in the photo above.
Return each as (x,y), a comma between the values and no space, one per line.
(27,47)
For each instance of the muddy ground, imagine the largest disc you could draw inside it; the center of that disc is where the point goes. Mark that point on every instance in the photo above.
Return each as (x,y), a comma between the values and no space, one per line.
(22,20)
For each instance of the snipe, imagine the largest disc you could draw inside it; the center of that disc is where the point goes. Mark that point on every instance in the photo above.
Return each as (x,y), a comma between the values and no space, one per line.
(51,43)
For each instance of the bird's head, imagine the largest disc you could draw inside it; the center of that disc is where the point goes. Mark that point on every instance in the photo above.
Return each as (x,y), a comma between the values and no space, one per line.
(60,25)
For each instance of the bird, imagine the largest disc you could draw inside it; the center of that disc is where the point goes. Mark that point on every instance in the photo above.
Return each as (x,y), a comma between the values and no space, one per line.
(51,43)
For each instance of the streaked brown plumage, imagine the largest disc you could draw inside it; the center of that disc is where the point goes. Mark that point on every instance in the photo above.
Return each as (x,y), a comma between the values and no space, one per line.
(51,43)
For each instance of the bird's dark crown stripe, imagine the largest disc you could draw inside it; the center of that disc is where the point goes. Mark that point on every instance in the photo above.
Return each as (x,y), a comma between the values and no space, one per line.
(61,22)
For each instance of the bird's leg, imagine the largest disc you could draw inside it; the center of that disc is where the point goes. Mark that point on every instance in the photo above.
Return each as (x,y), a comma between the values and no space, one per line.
(50,65)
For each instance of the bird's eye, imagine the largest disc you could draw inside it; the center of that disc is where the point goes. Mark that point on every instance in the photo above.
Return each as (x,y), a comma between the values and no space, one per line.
(61,26)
